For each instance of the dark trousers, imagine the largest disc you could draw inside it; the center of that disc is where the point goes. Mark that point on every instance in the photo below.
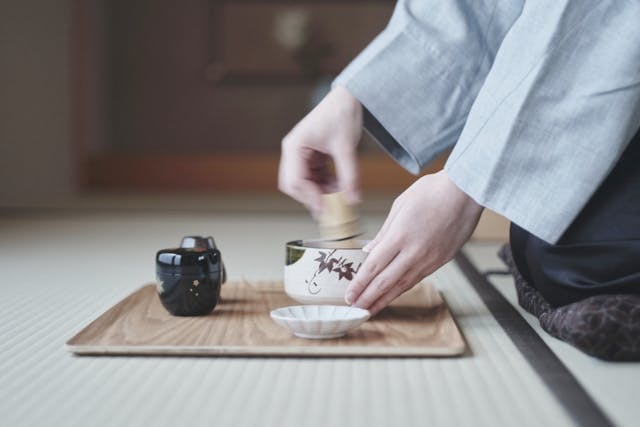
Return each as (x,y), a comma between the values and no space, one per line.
(600,252)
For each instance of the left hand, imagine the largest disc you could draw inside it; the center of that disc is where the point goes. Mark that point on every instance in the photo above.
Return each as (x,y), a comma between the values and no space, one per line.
(426,227)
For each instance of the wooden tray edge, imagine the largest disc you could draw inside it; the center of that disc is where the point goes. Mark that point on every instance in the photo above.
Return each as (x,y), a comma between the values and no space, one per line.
(70,342)
(369,352)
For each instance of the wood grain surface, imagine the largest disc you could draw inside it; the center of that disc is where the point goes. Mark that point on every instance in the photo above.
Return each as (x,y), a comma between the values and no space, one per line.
(416,324)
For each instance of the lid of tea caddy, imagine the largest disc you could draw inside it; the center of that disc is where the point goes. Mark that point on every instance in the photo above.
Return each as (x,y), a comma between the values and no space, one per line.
(197,255)
(200,242)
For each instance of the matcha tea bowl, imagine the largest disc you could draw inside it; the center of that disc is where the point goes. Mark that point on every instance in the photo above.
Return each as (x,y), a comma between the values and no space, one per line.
(319,272)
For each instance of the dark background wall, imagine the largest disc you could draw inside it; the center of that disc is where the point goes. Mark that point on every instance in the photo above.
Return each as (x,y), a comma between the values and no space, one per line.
(36,153)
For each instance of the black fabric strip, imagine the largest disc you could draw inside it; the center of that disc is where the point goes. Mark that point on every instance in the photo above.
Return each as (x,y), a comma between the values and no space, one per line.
(564,386)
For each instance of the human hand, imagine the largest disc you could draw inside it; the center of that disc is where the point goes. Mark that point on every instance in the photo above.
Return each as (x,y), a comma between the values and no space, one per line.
(330,132)
(426,226)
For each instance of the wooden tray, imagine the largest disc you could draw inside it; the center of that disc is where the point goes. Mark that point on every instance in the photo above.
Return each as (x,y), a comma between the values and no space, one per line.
(416,324)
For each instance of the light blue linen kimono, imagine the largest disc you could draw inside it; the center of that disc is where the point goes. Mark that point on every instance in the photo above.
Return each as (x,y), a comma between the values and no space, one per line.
(539,97)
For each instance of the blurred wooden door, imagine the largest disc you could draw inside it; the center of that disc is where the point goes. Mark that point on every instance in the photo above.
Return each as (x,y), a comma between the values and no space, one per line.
(196,95)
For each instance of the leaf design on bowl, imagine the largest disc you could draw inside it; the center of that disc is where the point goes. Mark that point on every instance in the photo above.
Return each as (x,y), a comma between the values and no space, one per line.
(330,263)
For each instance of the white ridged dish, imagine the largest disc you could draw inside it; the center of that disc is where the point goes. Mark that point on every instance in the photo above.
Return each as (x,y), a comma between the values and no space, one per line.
(319,321)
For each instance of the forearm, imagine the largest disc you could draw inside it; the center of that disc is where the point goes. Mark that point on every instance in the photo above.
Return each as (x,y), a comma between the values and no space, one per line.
(418,79)
(551,120)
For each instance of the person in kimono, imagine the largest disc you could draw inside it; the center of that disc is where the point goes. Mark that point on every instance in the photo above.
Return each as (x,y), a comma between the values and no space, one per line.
(540,101)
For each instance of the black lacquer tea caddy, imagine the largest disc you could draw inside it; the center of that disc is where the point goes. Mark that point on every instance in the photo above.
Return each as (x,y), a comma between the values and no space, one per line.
(189,277)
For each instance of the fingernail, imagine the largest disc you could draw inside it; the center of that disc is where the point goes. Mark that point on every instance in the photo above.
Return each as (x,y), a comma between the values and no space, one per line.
(348,298)
(367,248)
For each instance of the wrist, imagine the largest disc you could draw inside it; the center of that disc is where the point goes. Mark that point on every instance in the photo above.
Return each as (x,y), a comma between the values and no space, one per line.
(346,103)
(469,205)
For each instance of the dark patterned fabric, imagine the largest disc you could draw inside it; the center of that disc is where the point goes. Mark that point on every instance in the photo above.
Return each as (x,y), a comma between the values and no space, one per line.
(603,326)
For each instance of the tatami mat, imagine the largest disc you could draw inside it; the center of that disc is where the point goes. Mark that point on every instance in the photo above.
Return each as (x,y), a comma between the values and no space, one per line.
(60,272)
(612,385)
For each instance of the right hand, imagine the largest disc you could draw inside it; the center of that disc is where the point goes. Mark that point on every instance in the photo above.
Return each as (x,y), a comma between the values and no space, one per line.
(330,132)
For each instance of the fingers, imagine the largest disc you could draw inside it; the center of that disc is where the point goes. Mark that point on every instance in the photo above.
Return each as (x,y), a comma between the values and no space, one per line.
(347,172)
(292,181)
(393,293)
(377,261)
(378,286)
(310,195)
(380,256)
(397,275)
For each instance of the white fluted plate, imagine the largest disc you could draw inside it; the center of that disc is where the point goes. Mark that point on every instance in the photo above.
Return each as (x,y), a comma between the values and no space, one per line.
(320,321)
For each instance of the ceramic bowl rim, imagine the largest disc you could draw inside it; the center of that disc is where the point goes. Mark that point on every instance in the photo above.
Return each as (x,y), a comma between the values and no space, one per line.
(309,244)
(359,313)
